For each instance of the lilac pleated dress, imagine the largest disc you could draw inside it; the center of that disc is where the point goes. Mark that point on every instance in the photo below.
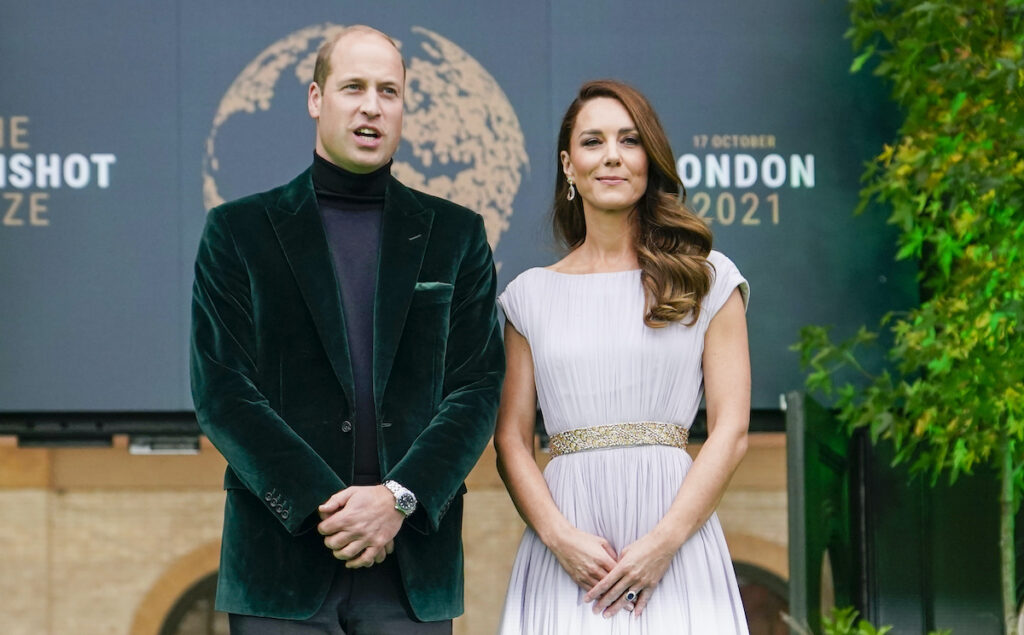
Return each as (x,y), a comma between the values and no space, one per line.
(596,363)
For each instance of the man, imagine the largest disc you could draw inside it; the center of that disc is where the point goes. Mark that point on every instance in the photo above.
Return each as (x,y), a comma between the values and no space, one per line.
(346,360)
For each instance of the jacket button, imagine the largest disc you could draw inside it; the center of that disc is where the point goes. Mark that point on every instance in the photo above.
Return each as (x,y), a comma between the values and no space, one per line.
(284,514)
(346,426)
(267,497)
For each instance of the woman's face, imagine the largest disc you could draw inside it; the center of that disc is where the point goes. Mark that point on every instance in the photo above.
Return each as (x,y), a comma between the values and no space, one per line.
(605,157)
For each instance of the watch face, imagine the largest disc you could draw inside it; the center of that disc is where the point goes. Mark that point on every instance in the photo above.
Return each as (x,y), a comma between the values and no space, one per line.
(406,502)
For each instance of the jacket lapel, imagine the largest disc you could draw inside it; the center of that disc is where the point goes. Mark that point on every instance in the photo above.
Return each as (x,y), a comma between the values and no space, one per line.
(404,232)
(296,220)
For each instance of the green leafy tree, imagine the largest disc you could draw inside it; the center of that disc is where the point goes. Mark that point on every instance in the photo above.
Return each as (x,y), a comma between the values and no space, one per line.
(953,182)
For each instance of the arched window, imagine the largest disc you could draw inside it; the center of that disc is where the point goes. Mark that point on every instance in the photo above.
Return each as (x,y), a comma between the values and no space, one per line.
(765,595)
(193,613)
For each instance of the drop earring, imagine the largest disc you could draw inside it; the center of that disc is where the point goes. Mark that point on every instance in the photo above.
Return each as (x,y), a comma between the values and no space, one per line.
(572,190)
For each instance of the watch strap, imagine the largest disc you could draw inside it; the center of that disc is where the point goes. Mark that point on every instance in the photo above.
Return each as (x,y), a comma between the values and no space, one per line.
(405,500)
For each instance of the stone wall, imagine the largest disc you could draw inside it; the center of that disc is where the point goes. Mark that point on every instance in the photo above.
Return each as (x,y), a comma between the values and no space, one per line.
(96,540)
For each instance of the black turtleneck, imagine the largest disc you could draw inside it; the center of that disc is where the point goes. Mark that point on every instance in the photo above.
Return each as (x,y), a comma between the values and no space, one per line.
(351,206)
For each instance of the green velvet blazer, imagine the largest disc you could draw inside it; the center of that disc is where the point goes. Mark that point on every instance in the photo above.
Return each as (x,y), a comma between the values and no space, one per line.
(273,390)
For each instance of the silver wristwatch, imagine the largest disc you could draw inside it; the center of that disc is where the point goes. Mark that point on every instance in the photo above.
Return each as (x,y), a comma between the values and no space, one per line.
(405,501)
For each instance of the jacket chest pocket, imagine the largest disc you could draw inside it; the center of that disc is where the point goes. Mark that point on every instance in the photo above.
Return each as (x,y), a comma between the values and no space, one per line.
(427,325)
(430,312)
(427,293)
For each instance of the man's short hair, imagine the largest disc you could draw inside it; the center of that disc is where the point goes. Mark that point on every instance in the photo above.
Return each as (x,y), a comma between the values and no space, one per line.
(322,69)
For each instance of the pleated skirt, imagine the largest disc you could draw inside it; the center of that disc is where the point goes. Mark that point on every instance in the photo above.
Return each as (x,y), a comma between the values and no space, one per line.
(621,494)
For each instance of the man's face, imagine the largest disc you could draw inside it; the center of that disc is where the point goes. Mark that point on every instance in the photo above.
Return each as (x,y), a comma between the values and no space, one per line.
(358,110)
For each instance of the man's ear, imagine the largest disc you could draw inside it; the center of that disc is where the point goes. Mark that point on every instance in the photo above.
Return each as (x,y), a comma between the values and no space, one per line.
(313,100)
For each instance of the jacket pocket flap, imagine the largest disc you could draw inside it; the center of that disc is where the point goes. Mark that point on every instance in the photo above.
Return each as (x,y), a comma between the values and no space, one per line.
(432,293)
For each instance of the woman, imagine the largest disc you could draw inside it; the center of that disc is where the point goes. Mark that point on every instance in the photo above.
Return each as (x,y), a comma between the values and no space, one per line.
(617,340)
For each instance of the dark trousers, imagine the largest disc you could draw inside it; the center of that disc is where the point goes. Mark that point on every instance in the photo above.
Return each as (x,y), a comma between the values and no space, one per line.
(360,602)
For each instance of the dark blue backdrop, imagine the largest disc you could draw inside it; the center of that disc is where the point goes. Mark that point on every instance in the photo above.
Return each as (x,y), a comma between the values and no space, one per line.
(203,100)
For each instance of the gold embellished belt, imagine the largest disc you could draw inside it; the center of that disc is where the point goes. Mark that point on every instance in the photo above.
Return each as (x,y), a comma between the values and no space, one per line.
(618,435)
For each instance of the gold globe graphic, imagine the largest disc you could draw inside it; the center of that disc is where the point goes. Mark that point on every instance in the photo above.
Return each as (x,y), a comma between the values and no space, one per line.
(461,138)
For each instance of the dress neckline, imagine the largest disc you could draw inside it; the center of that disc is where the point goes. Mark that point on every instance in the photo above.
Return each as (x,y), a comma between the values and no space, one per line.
(593,273)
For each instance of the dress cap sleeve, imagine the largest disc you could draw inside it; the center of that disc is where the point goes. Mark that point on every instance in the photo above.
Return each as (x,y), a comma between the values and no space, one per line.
(725,277)
(512,304)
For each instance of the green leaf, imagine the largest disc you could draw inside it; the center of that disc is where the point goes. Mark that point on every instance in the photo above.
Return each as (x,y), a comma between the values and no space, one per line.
(925,7)
(958,103)
(858,61)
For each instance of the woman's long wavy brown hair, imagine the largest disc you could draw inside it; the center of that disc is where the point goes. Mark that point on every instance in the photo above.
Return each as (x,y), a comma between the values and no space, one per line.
(672,243)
